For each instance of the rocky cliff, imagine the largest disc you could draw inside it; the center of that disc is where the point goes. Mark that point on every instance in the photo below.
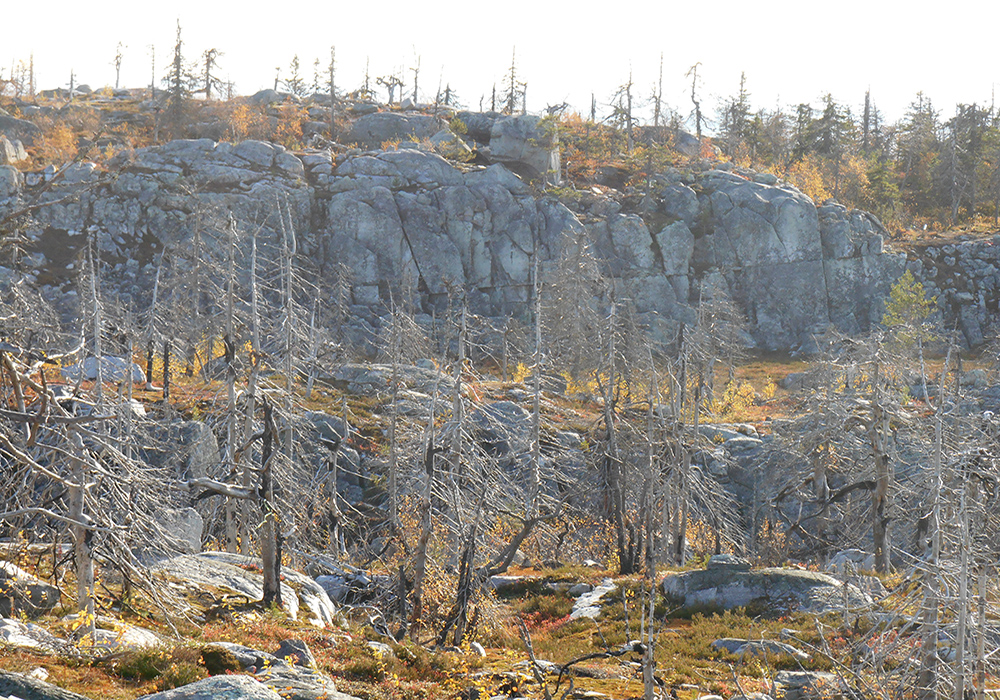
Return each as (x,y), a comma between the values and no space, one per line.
(795,268)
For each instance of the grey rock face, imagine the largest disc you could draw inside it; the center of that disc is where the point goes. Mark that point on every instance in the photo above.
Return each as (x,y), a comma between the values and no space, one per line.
(18,129)
(302,590)
(410,215)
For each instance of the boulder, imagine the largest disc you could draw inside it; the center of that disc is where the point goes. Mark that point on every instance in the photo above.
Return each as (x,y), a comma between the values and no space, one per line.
(10,181)
(332,428)
(221,655)
(296,652)
(11,152)
(770,590)
(374,130)
(302,589)
(24,687)
(805,685)
(125,637)
(18,129)
(759,647)
(299,683)
(219,688)
(523,144)
(113,369)
(25,635)
(24,594)
(201,570)
(502,428)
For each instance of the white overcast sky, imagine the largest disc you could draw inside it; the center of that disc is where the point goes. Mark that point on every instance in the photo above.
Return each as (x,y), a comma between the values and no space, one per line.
(791,51)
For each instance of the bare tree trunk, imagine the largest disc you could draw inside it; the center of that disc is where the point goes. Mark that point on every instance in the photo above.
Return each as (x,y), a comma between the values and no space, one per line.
(251,394)
(420,557)
(271,526)
(963,594)
(878,434)
(166,370)
(980,679)
(229,342)
(535,487)
(927,676)
(81,535)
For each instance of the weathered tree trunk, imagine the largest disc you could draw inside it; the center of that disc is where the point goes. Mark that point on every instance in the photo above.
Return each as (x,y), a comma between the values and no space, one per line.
(271,526)
(927,675)
(878,434)
(81,534)
(246,509)
(420,558)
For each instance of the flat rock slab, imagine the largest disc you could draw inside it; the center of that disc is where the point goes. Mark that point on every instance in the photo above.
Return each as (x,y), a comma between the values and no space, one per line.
(759,647)
(776,589)
(312,595)
(199,570)
(218,688)
(589,604)
(27,688)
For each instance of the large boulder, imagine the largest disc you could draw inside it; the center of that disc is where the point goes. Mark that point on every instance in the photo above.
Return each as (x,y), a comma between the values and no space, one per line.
(24,594)
(374,130)
(523,143)
(299,683)
(24,687)
(219,688)
(18,129)
(731,583)
(25,635)
(112,369)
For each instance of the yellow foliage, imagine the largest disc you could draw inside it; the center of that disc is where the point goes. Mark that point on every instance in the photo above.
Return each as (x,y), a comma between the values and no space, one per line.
(247,122)
(737,398)
(57,145)
(808,177)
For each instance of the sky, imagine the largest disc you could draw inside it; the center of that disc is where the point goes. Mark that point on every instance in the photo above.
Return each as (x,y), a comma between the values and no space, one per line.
(790,52)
